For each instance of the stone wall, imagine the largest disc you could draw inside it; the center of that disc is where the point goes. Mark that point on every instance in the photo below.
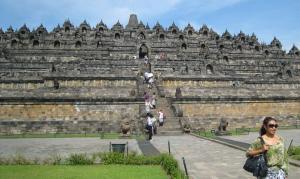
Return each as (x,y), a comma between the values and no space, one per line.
(65,117)
(21,85)
(87,88)
(247,122)
(67,83)
(96,83)
(238,114)
(218,87)
(191,83)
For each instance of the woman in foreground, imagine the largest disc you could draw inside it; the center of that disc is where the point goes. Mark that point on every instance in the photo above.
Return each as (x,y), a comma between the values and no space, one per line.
(277,159)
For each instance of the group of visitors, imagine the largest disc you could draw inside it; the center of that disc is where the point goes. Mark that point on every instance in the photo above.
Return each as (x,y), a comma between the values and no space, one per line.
(148,76)
(150,104)
(150,101)
(153,123)
(149,79)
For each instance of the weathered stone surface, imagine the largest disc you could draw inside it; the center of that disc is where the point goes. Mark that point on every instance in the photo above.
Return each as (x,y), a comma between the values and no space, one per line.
(239,114)
(45,118)
(37,112)
(241,109)
(50,75)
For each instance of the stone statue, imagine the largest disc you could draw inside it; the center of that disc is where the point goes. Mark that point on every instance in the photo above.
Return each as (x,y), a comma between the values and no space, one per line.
(178,93)
(223,125)
(222,129)
(125,128)
(184,70)
(186,128)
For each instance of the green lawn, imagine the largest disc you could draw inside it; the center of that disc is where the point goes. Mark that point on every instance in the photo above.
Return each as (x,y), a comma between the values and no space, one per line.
(294,152)
(88,172)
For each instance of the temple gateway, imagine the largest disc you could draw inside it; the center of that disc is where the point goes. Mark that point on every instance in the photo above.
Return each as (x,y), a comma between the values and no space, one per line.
(88,79)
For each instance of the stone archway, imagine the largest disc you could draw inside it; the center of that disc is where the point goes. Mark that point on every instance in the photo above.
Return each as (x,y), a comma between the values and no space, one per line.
(56,44)
(142,36)
(35,43)
(78,44)
(14,43)
(117,36)
(209,69)
(289,73)
(143,51)
(67,29)
(83,29)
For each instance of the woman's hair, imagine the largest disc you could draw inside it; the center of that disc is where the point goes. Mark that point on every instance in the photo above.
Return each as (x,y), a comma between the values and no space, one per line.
(263,130)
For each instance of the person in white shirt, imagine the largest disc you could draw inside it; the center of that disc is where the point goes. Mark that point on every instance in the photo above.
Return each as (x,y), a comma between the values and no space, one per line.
(146,60)
(150,82)
(147,107)
(149,126)
(161,117)
(146,77)
(154,126)
(153,101)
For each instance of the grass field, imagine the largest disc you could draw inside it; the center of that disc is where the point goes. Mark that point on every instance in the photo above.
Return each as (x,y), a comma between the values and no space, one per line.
(294,152)
(79,172)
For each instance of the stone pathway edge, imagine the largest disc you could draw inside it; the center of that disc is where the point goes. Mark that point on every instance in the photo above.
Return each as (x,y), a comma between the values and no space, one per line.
(291,161)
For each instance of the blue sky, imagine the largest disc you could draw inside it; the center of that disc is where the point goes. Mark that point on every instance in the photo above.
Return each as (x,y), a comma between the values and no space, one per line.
(266,18)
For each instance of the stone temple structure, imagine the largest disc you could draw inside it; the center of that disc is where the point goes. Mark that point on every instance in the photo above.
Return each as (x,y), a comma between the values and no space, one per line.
(75,79)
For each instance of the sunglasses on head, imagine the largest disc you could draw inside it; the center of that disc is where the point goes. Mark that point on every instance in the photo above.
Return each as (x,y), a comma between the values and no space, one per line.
(272,125)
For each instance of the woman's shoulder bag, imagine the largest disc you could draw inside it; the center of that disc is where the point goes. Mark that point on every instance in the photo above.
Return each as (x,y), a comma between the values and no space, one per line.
(257,165)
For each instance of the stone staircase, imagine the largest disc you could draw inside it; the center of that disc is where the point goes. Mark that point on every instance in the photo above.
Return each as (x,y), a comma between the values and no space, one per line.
(171,124)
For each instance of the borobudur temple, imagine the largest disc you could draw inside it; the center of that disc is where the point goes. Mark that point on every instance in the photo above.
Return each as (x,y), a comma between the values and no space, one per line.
(88,79)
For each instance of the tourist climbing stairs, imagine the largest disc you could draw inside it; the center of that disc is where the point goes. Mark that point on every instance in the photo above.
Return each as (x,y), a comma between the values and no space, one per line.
(171,124)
